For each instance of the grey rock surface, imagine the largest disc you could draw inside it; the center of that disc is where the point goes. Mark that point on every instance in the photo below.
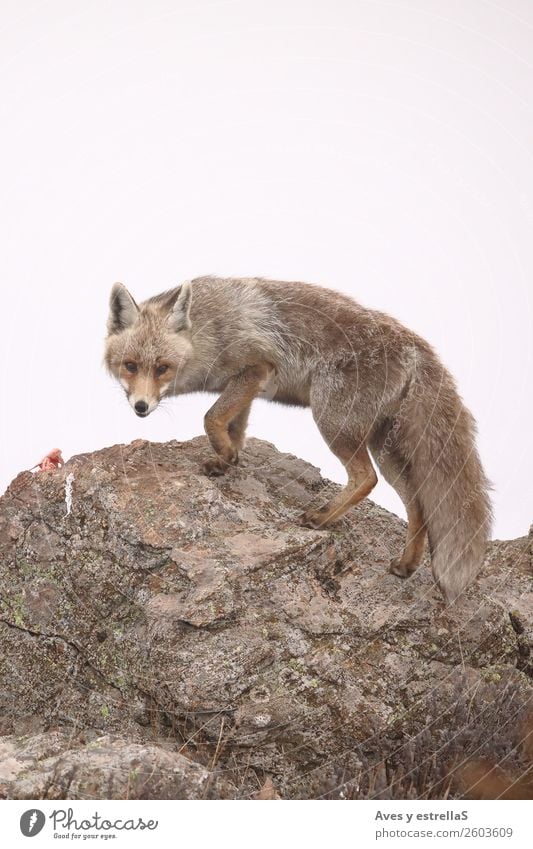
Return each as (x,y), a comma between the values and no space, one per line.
(188,628)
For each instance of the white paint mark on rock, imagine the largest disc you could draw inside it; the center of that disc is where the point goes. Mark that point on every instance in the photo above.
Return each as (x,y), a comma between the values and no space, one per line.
(68,492)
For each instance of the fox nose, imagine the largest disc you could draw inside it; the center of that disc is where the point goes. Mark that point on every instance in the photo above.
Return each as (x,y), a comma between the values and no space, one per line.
(141,408)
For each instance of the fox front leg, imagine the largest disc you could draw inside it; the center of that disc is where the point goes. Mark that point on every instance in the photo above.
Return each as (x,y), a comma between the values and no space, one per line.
(237,428)
(225,422)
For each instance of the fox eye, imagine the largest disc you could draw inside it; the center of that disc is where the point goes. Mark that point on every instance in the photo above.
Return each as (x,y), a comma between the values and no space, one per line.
(131,367)
(161,370)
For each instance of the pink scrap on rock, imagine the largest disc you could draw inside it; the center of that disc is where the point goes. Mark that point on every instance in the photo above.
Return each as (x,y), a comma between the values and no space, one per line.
(52,460)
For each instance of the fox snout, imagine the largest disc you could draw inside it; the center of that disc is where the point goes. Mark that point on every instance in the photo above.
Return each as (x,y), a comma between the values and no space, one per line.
(142,396)
(142,405)
(141,408)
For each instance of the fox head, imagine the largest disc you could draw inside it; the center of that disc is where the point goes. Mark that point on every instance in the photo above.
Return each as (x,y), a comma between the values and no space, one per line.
(148,345)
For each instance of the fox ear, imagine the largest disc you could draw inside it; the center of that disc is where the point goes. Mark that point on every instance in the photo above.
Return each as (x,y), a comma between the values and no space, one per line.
(123,309)
(179,318)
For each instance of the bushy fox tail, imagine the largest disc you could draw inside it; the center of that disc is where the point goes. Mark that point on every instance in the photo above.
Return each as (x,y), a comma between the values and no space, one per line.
(445,472)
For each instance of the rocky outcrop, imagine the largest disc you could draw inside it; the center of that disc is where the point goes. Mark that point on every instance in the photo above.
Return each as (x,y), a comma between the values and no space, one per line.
(67,764)
(154,621)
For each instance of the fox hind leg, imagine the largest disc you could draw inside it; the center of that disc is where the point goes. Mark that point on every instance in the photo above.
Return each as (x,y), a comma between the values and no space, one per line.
(414,544)
(361,480)
(396,472)
(334,403)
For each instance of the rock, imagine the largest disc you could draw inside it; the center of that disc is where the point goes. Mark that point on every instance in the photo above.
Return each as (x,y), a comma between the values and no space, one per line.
(189,623)
(58,766)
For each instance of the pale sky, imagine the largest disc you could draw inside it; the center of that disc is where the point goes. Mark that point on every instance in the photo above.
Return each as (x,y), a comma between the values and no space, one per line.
(383,149)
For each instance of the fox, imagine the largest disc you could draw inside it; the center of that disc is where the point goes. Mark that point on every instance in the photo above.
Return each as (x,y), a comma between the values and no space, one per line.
(377,391)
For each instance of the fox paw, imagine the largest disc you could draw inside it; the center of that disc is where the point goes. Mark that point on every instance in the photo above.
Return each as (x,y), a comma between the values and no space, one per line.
(317,519)
(401,569)
(216,466)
